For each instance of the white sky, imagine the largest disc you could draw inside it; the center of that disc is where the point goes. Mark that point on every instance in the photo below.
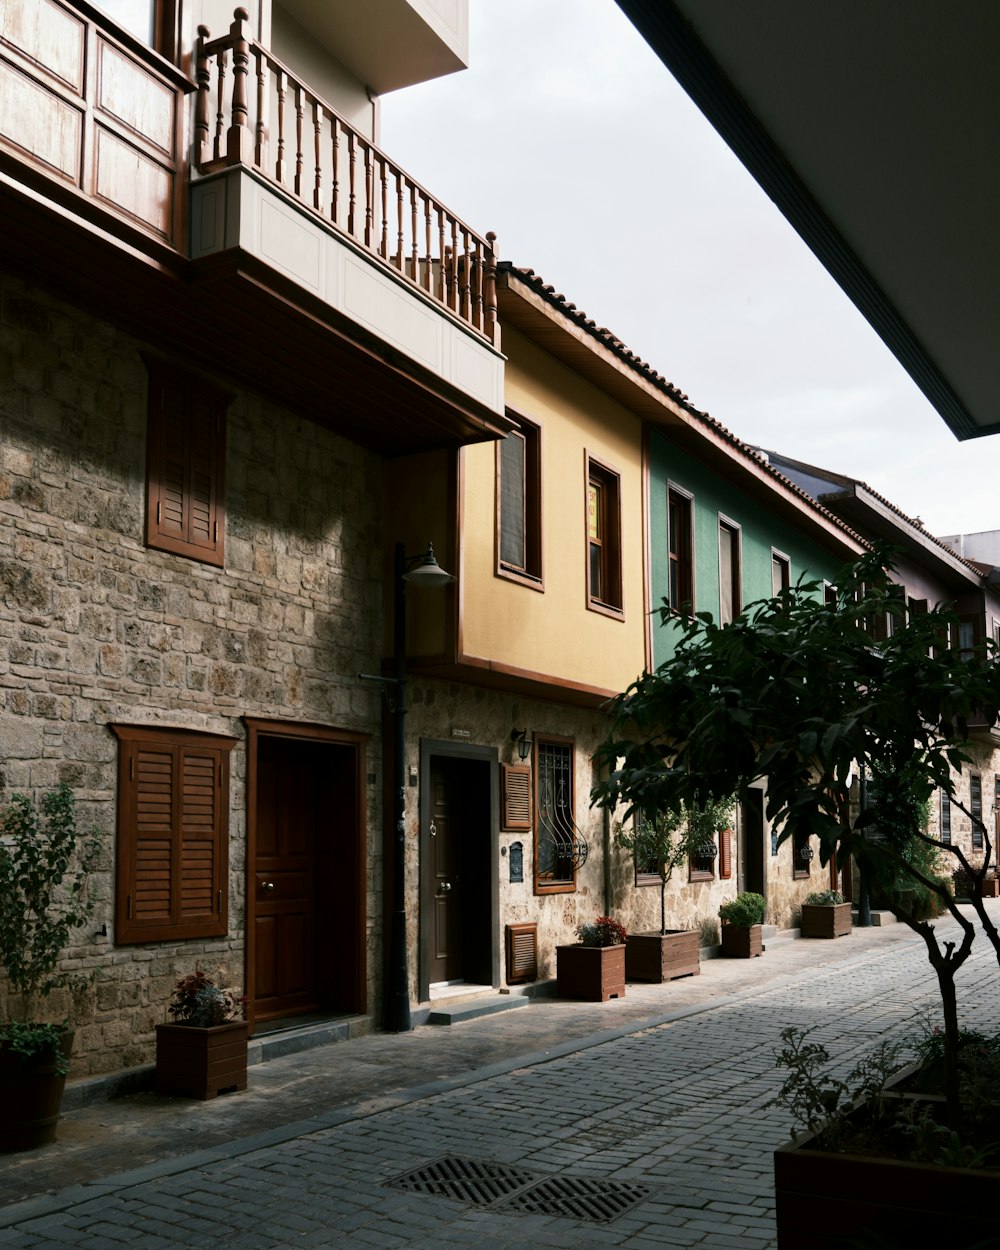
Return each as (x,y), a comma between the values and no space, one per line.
(571,140)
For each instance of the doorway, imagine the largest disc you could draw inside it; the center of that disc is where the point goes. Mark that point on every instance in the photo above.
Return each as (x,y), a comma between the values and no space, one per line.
(458,819)
(750,874)
(305,872)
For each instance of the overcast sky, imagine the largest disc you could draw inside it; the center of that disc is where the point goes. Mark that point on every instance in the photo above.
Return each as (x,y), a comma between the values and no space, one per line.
(570,139)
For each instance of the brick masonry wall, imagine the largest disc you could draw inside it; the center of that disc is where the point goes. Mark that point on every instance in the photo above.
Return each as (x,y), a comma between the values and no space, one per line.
(96,629)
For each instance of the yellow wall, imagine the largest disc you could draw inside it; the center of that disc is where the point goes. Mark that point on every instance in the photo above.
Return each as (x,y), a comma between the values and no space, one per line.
(553,632)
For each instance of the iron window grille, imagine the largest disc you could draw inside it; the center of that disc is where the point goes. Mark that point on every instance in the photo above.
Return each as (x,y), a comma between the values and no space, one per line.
(560,847)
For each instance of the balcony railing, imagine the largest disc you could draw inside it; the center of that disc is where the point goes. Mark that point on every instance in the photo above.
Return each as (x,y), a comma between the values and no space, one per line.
(253,111)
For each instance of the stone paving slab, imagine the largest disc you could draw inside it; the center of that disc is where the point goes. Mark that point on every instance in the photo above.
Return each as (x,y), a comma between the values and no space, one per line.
(674,1101)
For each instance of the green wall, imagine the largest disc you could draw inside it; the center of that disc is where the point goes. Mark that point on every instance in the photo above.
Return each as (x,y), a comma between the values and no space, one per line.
(760,531)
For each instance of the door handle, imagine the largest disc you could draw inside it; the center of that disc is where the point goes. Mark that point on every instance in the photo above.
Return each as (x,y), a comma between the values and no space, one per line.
(267,887)
(444,887)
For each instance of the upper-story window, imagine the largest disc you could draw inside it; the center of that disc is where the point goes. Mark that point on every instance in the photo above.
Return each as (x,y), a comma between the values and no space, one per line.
(519,504)
(680,575)
(152,22)
(730,590)
(781,571)
(186,455)
(604,564)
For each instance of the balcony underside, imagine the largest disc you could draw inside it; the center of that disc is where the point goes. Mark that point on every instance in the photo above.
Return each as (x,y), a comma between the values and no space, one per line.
(234,316)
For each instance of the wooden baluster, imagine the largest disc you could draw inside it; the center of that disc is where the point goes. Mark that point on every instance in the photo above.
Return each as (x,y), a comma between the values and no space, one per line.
(221,65)
(369,194)
(352,159)
(203,76)
(318,149)
(428,263)
(477,287)
(335,158)
(442,282)
(453,283)
(239,140)
(414,249)
(383,249)
(466,307)
(399,221)
(263,101)
(279,167)
(299,154)
(491,327)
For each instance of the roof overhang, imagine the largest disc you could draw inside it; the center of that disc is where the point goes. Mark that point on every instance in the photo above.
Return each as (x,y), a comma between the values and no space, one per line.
(873,128)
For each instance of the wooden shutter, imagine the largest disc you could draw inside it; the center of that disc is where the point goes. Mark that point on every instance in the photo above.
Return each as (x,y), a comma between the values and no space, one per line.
(725,854)
(172,870)
(515,791)
(186,437)
(521,944)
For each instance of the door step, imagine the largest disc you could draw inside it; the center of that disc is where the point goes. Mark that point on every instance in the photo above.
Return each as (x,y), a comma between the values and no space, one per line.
(472,1010)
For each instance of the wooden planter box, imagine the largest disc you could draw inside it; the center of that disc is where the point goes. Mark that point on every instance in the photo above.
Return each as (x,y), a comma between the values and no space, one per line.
(201,1062)
(742,943)
(825,1201)
(593,973)
(31,1092)
(663,956)
(991,887)
(826,921)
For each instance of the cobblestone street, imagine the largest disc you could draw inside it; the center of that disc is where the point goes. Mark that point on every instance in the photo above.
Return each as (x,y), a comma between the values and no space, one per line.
(657,1133)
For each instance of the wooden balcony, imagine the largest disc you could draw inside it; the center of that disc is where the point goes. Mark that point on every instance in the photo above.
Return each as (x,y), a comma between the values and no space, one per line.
(256,233)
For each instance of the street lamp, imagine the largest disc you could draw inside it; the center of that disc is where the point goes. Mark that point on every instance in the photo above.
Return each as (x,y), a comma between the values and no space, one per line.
(420,570)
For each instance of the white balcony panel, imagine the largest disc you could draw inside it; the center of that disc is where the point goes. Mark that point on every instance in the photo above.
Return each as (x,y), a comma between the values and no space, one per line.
(235,209)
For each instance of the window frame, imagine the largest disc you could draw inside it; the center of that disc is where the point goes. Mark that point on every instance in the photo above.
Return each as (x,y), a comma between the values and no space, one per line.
(735,570)
(529,435)
(780,561)
(944,817)
(608,541)
(180,402)
(797,842)
(680,502)
(976,809)
(180,745)
(696,869)
(545,883)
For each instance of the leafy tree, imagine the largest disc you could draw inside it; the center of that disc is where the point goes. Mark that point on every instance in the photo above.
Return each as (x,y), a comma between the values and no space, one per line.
(800,693)
(669,837)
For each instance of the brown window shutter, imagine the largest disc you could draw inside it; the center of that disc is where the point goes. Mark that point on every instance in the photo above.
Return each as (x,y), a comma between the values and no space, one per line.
(515,790)
(172,856)
(725,854)
(521,943)
(185,478)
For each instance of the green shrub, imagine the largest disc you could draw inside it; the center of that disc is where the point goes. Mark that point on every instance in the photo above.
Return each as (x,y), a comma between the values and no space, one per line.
(744,910)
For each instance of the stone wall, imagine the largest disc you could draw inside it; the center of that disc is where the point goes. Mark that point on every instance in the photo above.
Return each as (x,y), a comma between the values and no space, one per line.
(96,629)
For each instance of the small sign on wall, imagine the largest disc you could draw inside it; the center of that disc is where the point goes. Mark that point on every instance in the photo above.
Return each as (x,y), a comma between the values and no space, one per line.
(517,861)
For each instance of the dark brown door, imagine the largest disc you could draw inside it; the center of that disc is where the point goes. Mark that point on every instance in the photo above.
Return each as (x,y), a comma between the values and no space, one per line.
(750,873)
(446,874)
(458,880)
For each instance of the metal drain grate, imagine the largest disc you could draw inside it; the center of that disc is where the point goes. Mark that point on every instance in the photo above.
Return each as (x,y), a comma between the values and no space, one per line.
(468,1180)
(509,1188)
(578,1197)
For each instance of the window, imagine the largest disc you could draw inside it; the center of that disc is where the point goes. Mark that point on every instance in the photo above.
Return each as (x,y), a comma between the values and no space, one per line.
(604,564)
(780,573)
(519,505)
(559,846)
(647,871)
(153,22)
(186,450)
(976,810)
(701,865)
(730,594)
(945,817)
(173,814)
(967,639)
(802,856)
(680,574)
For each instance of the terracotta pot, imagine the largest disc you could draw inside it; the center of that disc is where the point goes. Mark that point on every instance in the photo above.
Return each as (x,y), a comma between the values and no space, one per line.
(742,942)
(593,973)
(31,1093)
(201,1062)
(661,957)
(826,920)
(826,1201)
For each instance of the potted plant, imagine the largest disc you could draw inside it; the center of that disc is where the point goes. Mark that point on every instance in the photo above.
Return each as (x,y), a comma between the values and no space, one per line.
(742,925)
(204,1051)
(825,915)
(594,969)
(874,1153)
(44,864)
(666,842)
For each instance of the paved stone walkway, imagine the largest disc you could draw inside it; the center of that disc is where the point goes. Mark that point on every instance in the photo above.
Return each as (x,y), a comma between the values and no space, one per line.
(663,1118)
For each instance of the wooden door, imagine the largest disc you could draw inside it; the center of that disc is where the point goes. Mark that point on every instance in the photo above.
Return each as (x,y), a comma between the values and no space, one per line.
(289,812)
(446,882)
(750,871)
